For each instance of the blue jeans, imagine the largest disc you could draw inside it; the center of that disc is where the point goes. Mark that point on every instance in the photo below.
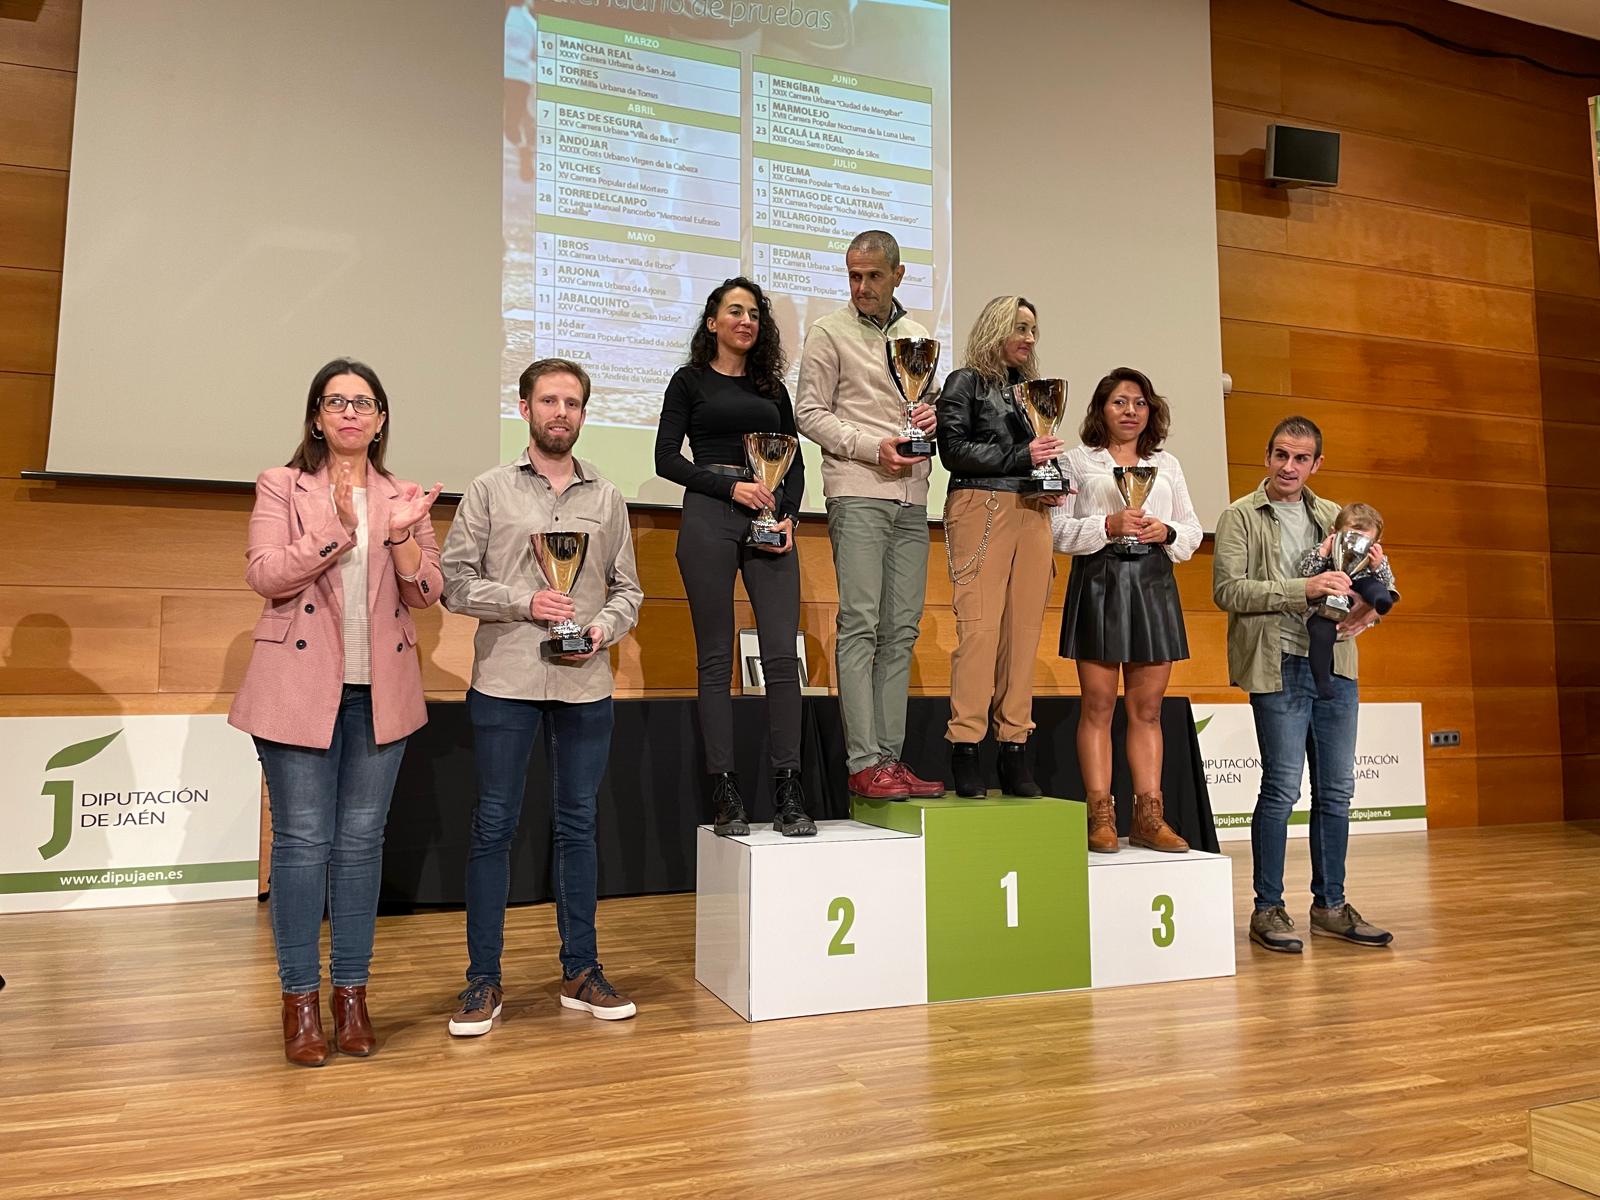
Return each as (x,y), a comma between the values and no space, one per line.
(329,808)
(1290,725)
(578,741)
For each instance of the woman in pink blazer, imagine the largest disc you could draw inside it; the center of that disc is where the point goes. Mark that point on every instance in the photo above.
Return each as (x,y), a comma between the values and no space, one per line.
(341,550)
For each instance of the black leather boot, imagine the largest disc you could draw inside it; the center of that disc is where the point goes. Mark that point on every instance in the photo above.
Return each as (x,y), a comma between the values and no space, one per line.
(730,820)
(965,771)
(788,806)
(1015,777)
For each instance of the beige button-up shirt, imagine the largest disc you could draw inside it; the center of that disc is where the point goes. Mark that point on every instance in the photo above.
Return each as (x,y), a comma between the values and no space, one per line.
(847,403)
(490,573)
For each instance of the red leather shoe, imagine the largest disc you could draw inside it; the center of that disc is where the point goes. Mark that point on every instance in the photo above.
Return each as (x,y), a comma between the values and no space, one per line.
(922,789)
(878,782)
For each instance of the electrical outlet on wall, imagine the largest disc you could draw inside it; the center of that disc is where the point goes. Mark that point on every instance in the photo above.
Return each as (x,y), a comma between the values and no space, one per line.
(1444,737)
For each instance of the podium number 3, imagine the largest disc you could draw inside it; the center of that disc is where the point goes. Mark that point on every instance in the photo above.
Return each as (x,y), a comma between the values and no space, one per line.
(1164,932)
(1008,884)
(843,910)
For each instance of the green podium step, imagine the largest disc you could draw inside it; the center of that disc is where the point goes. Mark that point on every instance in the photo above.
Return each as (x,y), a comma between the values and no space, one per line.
(1007,893)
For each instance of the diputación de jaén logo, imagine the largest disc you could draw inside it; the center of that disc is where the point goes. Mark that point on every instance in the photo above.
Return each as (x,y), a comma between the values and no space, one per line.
(63,790)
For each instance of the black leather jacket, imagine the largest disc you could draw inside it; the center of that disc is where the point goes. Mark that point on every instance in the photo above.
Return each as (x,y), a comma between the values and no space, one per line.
(982,436)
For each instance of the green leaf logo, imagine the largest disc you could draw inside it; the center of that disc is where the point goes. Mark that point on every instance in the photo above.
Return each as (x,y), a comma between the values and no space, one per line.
(80,752)
(1200,726)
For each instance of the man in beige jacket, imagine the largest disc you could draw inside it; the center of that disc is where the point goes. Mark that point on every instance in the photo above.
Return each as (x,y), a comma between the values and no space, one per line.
(877,512)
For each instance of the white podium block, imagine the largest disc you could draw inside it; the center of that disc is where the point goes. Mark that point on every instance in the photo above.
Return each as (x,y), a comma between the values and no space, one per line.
(1155,918)
(789,927)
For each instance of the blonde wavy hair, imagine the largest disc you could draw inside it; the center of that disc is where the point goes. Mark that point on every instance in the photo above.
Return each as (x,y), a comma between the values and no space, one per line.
(986,343)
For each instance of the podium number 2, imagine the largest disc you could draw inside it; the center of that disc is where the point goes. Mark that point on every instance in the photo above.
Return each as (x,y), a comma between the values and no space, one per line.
(1164,932)
(843,910)
(1008,884)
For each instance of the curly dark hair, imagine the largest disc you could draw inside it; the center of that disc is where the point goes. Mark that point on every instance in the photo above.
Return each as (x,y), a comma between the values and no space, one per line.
(1096,433)
(764,365)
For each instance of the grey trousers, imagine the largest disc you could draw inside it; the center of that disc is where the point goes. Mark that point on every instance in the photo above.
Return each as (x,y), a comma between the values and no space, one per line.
(880,555)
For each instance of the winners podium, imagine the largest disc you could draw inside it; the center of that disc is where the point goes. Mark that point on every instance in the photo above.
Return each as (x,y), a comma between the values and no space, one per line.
(918,901)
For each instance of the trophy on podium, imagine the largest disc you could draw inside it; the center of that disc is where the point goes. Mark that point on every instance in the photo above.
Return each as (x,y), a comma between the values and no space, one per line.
(769,456)
(1351,552)
(560,557)
(1135,484)
(1043,403)
(912,362)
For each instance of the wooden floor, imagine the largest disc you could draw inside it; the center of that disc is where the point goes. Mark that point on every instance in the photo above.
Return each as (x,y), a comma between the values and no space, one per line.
(140,1057)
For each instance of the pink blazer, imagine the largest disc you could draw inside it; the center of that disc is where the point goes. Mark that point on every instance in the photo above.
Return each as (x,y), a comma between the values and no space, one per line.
(292,687)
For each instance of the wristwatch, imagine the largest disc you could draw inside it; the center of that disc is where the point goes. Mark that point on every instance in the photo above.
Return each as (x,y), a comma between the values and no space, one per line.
(1172,535)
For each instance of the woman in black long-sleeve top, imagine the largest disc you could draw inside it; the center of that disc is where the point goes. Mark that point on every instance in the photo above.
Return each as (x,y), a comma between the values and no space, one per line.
(997,543)
(733,385)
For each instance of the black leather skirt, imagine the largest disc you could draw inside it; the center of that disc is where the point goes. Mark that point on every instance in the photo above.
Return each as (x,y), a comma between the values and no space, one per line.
(1123,610)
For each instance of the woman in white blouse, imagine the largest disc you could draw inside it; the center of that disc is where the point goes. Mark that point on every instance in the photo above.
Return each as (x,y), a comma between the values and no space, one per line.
(1122,611)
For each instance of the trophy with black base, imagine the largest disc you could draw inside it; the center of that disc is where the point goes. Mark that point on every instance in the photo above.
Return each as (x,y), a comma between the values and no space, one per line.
(769,456)
(912,362)
(560,557)
(1351,552)
(1135,484)
(1043,403)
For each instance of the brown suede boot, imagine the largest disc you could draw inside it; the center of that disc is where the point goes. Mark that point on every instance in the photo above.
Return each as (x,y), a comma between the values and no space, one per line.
(1102,823)
(303,1042)
(1150,828)
(352,1028)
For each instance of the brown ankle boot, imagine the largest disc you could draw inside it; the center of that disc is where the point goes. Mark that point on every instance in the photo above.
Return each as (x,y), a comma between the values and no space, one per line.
(1102,823)
(352,1028)
(1150,828)
(303,1042)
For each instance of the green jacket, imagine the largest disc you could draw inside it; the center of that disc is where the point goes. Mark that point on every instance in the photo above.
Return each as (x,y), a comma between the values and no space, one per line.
(1247,583)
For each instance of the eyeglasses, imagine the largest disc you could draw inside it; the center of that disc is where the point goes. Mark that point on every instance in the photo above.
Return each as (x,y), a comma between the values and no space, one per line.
(337,404)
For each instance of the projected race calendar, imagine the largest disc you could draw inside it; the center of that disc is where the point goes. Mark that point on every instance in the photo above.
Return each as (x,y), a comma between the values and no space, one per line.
(666,145)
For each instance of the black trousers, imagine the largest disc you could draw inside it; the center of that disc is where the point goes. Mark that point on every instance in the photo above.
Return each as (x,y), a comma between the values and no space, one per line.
(711,551)
(1324,632)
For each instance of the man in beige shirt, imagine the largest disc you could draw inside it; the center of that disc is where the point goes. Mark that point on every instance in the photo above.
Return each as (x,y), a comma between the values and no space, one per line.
(490,573)
(877,512)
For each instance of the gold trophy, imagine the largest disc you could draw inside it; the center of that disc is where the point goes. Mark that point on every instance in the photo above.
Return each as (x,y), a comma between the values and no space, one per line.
(1351,552)
(560,557)
(769,456)
(1043,403)
(1135,484)
(912,362)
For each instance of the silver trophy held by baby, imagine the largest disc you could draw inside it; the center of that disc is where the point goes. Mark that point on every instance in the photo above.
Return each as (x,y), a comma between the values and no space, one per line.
(912,362)
(1134,484)
(769,456)
(560,556)
(1351,552)
(1043,403)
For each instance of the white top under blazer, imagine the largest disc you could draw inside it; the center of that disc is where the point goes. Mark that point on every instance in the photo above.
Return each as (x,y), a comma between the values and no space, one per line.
(1079,525)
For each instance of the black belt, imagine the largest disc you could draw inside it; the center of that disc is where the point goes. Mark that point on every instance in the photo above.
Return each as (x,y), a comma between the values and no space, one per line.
(725,469)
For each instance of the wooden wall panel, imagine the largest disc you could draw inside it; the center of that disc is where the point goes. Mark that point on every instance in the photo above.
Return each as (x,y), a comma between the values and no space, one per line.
(1319,295)
(1397,51)
(35,116)
(1419,174)
(78,640)
(35,204)
(25,418)
(29,304)
(1350,95)
(39,33)
(1423,446)
(1346,229)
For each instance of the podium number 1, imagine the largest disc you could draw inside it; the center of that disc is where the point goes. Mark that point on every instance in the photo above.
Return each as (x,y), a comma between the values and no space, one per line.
(1164,932)
(843,910)
(1008,884)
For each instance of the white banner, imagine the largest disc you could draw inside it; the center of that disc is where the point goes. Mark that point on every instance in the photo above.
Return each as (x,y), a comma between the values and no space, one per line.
(1391,794)
(113,811)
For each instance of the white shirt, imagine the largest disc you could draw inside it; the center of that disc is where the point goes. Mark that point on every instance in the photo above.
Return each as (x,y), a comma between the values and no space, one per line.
(356,621)
(1079,525)
(520,33)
